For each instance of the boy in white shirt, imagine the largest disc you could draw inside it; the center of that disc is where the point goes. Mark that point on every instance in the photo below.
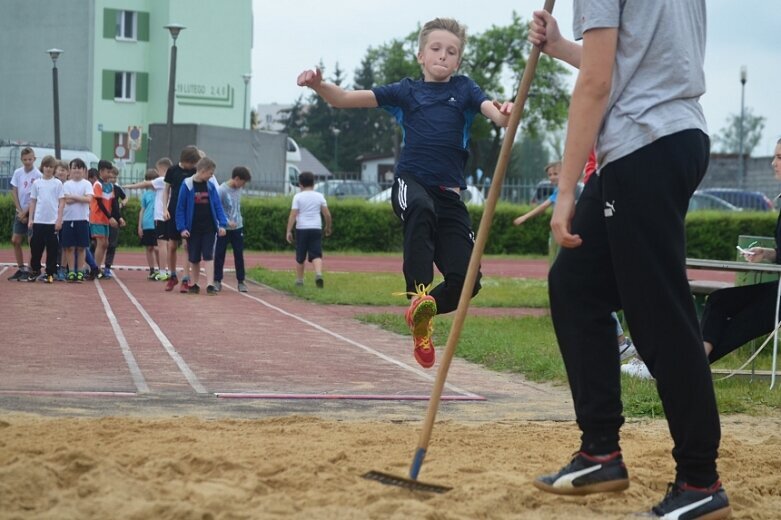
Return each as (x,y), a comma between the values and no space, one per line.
(21,185)
(74,236)
(308,205)
(46,206)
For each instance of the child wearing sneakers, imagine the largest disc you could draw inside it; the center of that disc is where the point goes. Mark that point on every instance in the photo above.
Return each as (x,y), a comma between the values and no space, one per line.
(75,225)
(200,219)
(146,226)
(46,207)
(230,196)
(174,178)
(623,246)
(305,213)
(100,217)
(435,114)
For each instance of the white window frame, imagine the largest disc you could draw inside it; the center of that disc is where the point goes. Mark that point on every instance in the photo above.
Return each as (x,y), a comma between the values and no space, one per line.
(122,26)
(128,90)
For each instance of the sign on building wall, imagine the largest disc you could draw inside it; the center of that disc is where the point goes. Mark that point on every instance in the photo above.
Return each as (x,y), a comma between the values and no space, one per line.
(134,135)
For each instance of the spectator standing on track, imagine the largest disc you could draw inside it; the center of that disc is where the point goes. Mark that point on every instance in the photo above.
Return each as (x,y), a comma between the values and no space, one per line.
(75,225)
(623,245)
(174,178)
(230,196)
(436,114)
(200,218)
(146,226)
(21,185)
(101,217)
(46,207)
(120,198)
(307,207)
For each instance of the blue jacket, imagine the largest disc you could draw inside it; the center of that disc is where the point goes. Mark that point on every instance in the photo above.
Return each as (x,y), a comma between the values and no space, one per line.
(185,206)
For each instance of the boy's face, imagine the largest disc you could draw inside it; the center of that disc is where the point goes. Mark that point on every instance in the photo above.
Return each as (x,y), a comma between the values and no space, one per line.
(61,173)
(77,173)
(553,175)
(48,171)
(105,175)
(440,56)
(161,169)
(206,174)
(27,161)
(238,183)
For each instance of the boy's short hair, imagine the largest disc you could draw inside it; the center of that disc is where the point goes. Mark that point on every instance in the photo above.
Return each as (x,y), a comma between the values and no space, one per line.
(49,160)
(554,164)
(62,164)
(241,173)
(205,164)
(26,151)
(77,163)
(164,161)
(306,179)
(92,173)
(151,174)
(189,155)
(443,24)
(104,165)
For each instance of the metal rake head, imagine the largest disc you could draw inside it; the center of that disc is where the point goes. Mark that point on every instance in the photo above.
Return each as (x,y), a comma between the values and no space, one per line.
(414,485)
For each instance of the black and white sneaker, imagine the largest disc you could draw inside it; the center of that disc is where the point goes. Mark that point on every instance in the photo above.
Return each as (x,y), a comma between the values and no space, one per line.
(20,274)
(685,502)
(586,474)
(627,350)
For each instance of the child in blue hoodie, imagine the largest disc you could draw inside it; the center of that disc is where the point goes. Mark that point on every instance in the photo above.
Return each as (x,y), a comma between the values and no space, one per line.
(199,219)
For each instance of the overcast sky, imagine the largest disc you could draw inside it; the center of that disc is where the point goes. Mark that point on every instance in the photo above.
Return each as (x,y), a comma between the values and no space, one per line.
(293,36)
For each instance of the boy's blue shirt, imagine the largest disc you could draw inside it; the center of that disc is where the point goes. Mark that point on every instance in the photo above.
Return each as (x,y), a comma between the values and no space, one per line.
(435,119)
(148,203)
(185,206)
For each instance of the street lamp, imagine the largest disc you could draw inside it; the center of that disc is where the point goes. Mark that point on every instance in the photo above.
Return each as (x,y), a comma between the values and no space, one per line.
(743,77)
(174,29)
(336,132)
(54,54)
(246,77)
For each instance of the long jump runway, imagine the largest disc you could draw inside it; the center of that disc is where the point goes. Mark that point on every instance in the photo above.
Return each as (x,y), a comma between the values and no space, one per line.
(127,336)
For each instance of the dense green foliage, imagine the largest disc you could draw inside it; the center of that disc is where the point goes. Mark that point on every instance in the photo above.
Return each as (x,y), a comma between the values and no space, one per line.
(363,226)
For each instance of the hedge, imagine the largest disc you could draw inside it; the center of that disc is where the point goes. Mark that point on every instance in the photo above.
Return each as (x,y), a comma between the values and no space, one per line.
(363,226)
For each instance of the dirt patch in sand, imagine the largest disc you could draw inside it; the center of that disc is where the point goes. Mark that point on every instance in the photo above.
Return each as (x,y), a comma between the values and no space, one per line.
(303,468)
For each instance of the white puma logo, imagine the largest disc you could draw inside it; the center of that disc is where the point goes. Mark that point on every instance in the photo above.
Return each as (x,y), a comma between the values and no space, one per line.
(610,208)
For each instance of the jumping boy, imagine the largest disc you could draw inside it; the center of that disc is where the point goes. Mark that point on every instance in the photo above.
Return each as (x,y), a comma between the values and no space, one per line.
(435,113)
(307,207)
(200,219)
(21,185)
(624,244)
(75,226)
(230,196)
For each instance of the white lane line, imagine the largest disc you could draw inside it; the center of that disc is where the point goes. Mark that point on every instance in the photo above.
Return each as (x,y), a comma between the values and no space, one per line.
(361,346)
(165,342)
(135,371)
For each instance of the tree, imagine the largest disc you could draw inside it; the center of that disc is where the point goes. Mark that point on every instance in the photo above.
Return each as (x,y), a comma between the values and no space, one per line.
(728,138)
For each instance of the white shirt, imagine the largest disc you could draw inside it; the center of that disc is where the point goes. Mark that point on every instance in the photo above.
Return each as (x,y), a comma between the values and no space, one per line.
(47,194)
(77,210)
(308,204)
(160,204)
(23,182)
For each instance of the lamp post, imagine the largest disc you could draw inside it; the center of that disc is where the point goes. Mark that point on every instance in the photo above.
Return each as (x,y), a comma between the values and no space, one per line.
(174,29)
(246,77)
(54,54)
(743,77)
(336,132)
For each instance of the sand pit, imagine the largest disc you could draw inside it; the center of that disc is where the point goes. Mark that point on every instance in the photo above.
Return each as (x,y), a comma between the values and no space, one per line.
(308,468)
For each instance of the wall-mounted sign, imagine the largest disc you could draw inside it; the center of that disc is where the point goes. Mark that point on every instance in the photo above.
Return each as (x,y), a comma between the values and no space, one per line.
(197,94)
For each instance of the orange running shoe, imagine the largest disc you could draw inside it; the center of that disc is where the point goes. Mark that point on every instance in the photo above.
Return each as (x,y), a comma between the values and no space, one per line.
(419,317)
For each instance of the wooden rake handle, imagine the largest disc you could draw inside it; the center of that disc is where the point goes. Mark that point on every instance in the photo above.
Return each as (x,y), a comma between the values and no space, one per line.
(477,252)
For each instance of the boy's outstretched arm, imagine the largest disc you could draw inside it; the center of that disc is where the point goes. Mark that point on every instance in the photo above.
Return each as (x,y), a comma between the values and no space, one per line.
(335,95)
(532,213)
(497,112)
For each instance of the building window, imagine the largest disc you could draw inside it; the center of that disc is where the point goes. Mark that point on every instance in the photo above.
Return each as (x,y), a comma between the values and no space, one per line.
(124,86)
(127,24)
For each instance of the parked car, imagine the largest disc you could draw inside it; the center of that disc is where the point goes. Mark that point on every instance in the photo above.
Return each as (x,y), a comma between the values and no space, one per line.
(544,189)
(471,195)
(701,201)
(749,200)
(340,188)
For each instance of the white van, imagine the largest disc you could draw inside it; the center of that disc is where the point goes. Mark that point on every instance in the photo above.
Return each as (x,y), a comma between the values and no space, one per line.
(11,159)
(292,166)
